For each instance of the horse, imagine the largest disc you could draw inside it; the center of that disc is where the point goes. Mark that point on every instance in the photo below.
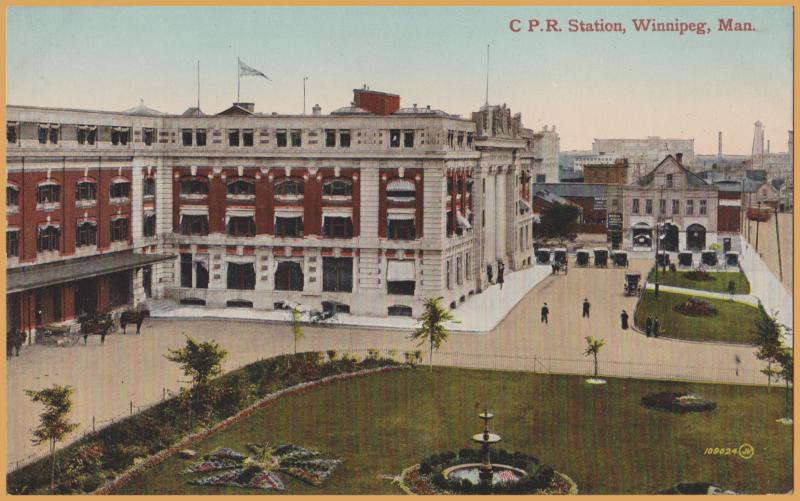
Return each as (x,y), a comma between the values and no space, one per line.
(133,317)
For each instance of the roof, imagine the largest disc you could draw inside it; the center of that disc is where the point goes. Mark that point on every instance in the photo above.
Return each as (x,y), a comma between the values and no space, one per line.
(420,111)
(756,174)
(194,111)
(143,110)
(552,197)
(572,189)
(235,110)
(691,178)
(41,275)
(350,110)
(733,186)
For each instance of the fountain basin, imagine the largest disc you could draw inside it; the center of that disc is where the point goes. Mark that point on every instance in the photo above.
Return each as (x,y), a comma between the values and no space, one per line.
(486,438)
(501,473)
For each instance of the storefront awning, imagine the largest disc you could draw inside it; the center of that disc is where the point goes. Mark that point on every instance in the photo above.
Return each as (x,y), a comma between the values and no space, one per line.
(42,275)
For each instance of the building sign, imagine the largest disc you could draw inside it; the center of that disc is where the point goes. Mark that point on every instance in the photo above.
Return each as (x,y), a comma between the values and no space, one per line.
(614,221)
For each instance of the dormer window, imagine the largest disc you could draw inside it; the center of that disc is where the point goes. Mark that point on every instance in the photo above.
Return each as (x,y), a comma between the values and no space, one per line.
(401,190)
(290,187)
(241,188)
(337,188)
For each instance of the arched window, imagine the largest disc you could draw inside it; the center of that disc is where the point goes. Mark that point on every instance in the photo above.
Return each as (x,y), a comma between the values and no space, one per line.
(194,186)
(86,234)
(120,188)
(48,238)
(241,187)
(289,187)
(337,187)
(86,190)
(48,192)
(401,190)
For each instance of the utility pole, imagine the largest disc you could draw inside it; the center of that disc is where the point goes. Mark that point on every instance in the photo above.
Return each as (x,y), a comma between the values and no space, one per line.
(304,94)
(487,74)
(758,222)
(658,234)
(778,242)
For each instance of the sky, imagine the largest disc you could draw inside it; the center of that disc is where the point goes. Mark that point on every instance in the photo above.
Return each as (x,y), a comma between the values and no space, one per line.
(589,85)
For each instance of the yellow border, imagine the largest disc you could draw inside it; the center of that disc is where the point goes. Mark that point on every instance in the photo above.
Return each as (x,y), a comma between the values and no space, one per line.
(345,3)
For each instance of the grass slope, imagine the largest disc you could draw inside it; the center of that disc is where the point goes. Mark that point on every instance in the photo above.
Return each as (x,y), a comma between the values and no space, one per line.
(599,435)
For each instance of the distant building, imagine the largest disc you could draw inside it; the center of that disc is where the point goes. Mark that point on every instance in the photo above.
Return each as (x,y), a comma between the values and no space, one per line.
(545,157)
(580,161)
(591,198)
(644,154)
(615,173)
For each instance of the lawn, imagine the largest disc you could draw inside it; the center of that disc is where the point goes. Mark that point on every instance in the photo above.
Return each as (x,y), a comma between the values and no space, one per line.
(733,323)
(381,424)
(719,282)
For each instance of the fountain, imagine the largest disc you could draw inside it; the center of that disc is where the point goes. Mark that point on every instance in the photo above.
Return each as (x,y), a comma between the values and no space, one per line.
(485,473)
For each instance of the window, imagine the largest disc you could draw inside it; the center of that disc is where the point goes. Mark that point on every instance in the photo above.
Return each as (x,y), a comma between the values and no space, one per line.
(401,190)
(469,139)
(120,189)
(648,206)
(48,194)
(289,227)
(280,138)
(85,234)
(337,227)
(460,139)
(242,227)
(247,137)
(337,274)
(676,207)
(296,137)
(394,138)
(43,134)
(148,135)
(233,137)
(450,138)
(149,226)
(399,310)
(408,138)
(289,276)
(459,279)
(201,274)
(662,206)
(149,187)
(194,224)
(330,138)
(344,138)
(669,180)
(337,187)
(615,204)
(289,187)
(12,243)
(635,206)
(48,238)
(12,196)
(448,276)
(53,135)
(86,134)
(468,270)
(541,178)
(703,207)
(186,270)
(11,133)
(119,229)
(241,276)
(241,187)
(119,135)
(400,229)
(186,137)
(690,207)
(200,137)
(86,191)
(194,186)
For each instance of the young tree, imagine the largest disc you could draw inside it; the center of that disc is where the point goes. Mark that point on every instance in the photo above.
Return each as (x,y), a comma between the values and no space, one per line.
(201,362)
(593,348)
(53,423)
(433,329)
(560,221)
(297,329)
(768,339)
(785,360)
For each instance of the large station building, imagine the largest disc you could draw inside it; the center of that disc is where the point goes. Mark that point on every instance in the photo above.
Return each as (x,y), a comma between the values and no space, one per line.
(369,209)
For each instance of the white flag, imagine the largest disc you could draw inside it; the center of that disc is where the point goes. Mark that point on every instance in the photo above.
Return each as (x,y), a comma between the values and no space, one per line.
(247,71)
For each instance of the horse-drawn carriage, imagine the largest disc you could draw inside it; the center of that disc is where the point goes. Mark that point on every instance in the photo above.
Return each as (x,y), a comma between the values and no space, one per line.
(633,285)
(601,258)
(96,324)
(542,256)
(620,259)
(582,257)
(55,335)
(662,259)
(560,255)
(708,258)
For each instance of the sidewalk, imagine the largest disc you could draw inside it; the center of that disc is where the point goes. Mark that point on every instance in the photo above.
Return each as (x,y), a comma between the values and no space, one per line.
(739,298)
(480,313)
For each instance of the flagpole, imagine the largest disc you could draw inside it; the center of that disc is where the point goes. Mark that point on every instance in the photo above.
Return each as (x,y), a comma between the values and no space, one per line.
(238,79)
(198,85)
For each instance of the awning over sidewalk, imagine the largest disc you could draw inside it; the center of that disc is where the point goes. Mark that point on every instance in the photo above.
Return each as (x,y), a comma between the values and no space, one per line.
(42,275)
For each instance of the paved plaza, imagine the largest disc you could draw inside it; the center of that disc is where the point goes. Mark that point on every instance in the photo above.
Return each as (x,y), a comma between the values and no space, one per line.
(132,369)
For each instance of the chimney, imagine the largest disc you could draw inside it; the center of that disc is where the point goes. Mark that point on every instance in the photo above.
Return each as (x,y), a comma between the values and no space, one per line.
(379,103)
(316,110)
(679,158)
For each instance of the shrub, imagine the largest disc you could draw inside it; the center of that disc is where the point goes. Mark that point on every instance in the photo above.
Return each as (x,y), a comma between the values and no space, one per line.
(425,468)
(696,308)
(391,354)
(332,354)
(699,275)
(373,354)
(677,402)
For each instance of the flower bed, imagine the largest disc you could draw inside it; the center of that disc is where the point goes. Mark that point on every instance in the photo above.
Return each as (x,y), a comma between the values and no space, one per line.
(677,402)
(696,488)
(696,308)
(133,445)
(428,477)
(699,275)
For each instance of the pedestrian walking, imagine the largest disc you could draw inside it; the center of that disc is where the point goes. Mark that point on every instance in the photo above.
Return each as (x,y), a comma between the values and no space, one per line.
(624,318)
(85,336)
(586,307)
(553,267)
(103,336)
(545,312)
(500,271)
(566,268)
(656,327)
(648,326)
